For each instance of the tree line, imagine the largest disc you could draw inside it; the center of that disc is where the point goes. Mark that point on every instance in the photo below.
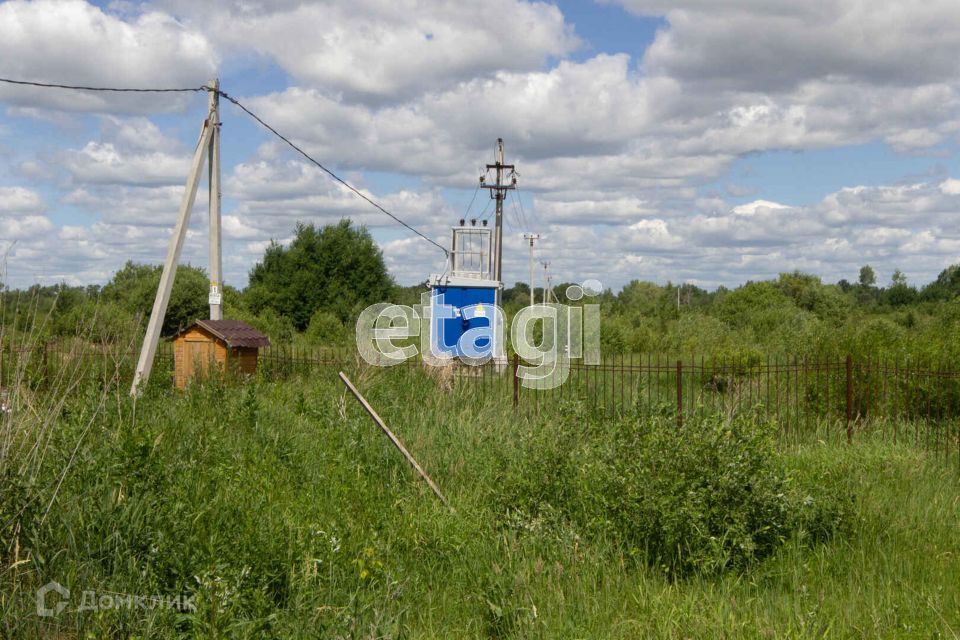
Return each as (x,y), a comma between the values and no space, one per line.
(312,289)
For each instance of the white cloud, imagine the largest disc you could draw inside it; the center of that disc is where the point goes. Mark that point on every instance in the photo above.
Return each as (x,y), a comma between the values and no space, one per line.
(74,42)
(651,236)
(623,159)
(105,163)
(779,44)
(20,227)
(757,206)
(234,227)
(623,210)
(274,195)
(18,200)
(950,186)
(384,49)
(134,205)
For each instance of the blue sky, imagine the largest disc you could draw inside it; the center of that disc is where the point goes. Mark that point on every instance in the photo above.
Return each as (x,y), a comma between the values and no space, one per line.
(708,142)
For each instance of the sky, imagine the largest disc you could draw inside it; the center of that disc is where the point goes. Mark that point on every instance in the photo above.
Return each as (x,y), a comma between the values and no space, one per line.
(702,141)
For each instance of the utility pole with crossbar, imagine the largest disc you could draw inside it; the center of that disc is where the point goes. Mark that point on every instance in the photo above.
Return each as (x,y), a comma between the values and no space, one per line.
(530,238)
(546,283)
(498,191)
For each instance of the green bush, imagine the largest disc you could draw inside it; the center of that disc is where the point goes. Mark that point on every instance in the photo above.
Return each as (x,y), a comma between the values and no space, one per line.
(278,328)
(712,496)
(338,268)
(326,328)
(134,288)
(99,321)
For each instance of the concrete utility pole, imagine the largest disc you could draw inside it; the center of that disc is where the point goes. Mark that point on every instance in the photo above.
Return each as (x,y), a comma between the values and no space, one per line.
(205,146)
(498,192)
(546,280)
(216,285)
(531,237)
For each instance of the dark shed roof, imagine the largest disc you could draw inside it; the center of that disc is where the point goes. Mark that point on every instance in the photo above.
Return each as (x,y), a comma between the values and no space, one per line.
(235,333)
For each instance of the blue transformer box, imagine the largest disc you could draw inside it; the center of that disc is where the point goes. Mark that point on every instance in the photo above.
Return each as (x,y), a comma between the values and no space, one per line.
(470,306)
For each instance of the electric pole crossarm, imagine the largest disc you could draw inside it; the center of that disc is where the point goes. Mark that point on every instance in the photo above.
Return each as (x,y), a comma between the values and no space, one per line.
(152,336)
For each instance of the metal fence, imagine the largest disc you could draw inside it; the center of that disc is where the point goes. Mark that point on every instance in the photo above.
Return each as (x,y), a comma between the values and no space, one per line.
(911,399)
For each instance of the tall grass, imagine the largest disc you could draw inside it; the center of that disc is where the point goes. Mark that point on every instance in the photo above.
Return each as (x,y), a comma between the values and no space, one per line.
(280,510)
(40,399)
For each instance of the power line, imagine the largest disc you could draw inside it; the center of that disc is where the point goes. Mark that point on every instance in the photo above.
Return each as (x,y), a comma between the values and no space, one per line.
(48,85)
(486,210)
(519,214)
(329,172)
(535,215)
(470,206)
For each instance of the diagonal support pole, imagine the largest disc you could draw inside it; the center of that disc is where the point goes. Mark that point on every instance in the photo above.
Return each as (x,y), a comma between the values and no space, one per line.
(152,336)
(395,440)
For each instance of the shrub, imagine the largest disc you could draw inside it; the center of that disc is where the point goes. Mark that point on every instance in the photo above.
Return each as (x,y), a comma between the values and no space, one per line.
(134,288)
(101,322)
(709,497)
(326,328)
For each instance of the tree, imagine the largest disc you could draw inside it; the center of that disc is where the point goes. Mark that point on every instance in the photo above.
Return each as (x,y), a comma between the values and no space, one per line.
(761,305)
(338,269)
(518,295)
(808,292)
(899,293)
(866,290)
(946,286)
(134,288)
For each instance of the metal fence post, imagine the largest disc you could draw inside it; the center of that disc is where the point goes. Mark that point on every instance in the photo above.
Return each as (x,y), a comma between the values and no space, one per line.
(516,380)
(849,398)
(679,393)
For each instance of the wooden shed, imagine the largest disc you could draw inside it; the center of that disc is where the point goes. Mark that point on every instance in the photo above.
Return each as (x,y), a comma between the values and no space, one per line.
(222,344)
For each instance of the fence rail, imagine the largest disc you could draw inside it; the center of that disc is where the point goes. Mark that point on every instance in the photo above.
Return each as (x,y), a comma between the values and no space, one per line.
(914,399)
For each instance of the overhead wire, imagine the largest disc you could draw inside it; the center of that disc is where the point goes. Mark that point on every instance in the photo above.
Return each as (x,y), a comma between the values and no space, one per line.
(48,85)
(486,210)
(534,215)
(518,214)
(238,104)
(470,206)
(330,173)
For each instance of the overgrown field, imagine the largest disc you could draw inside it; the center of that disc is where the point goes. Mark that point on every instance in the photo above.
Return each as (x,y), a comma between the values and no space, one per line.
(279,510)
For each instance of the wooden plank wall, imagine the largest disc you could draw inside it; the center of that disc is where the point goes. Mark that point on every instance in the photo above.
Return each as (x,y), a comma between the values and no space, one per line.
(244,359)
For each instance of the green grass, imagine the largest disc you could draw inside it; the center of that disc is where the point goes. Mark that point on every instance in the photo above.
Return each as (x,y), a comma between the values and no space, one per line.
(282,510)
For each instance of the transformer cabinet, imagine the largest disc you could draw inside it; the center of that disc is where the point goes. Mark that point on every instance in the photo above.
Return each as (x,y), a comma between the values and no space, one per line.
(463,299)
